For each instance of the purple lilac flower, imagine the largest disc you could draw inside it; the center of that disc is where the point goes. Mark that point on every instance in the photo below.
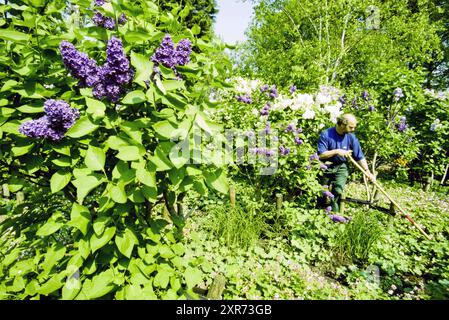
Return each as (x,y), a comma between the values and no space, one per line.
(58,118)
(314,157)
(299,130)
(99,3)
(365,95)
(283,150)
(308,167)
(328,209)
(59,114)
(371,108)
(323,166)
(328,194)
(276,138)
(292,89)
(115,73)
(397,94)
(169,56)
(354,104)
(267,129)
(183,51)
(337,218)
(289,128)
(342,99)
(402,126)
(122,19)
(274,92)
(298,141)
(265,110)
(264,88)
(165,54)
(245,99)
(79,65)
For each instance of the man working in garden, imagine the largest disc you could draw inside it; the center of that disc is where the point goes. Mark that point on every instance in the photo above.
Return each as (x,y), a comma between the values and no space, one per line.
(336,145)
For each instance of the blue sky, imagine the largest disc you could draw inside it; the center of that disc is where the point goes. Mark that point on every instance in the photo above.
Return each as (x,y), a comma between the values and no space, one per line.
(232,19)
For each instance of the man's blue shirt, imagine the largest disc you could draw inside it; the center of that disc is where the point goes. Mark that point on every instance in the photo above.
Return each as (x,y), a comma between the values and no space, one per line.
(331,140)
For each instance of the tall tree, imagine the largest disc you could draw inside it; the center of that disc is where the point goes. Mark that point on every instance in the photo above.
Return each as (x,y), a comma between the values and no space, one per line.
(339,42)
(200,13)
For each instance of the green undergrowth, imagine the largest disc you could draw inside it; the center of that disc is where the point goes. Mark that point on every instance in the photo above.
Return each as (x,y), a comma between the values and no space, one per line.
(298,253)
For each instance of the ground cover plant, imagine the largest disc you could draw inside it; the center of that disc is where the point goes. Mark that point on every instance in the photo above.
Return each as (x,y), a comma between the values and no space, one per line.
(139,160)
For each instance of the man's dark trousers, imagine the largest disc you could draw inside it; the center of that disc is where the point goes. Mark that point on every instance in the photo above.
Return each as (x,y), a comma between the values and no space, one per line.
(336,176)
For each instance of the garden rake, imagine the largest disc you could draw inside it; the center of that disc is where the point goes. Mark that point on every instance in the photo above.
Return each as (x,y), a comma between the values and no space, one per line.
(389,198)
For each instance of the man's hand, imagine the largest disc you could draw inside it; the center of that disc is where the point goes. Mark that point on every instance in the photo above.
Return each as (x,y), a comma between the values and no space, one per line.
(344,153)
(370,175)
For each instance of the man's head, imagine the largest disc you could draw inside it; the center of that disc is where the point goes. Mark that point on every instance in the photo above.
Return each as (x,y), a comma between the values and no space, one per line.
(346,123)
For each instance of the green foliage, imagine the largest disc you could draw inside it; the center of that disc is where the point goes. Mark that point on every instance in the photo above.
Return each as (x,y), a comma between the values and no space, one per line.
(309,43)
(114,168)
(356,240)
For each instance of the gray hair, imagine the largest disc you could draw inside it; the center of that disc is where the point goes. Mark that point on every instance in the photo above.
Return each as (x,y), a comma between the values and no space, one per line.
(345,118)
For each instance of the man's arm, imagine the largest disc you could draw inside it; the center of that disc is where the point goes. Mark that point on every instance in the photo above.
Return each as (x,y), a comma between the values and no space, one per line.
(365,167)
(336,152)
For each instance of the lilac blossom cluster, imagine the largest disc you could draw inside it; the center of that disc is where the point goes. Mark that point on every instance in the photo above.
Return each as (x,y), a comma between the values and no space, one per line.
(327,193)
(106,22)
(342,99)
(402,126)
(314,157)
(273,92)
(245,99)
(371,108)
(265,110)
(292,89)
(365,95)
(264,88)
(298,141)
(106,80)
(115,73)
(337,218)
(397,94)
(264,151)
(59,117)
(170,56)
(283,150)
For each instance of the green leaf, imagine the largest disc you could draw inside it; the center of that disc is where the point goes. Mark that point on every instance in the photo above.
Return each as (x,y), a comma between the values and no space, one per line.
(160,86)
(146,176)
(175,101)
(143,66)
(49,228)
(196,29)
(217,180)
(164,128)
(129,153)
(22,148)
(53,284)
(100,224)
(98,242)
(162,278)
(99,286)
(118,194)
(79,218)
(160,160)
(53,255)
(125,242)
(192,276)
(134,97)
(95,158)
(85,184)
(171,85)
(15,36)
(59,180)
(150,193)
(132,129)
(95,108)
(82,127)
